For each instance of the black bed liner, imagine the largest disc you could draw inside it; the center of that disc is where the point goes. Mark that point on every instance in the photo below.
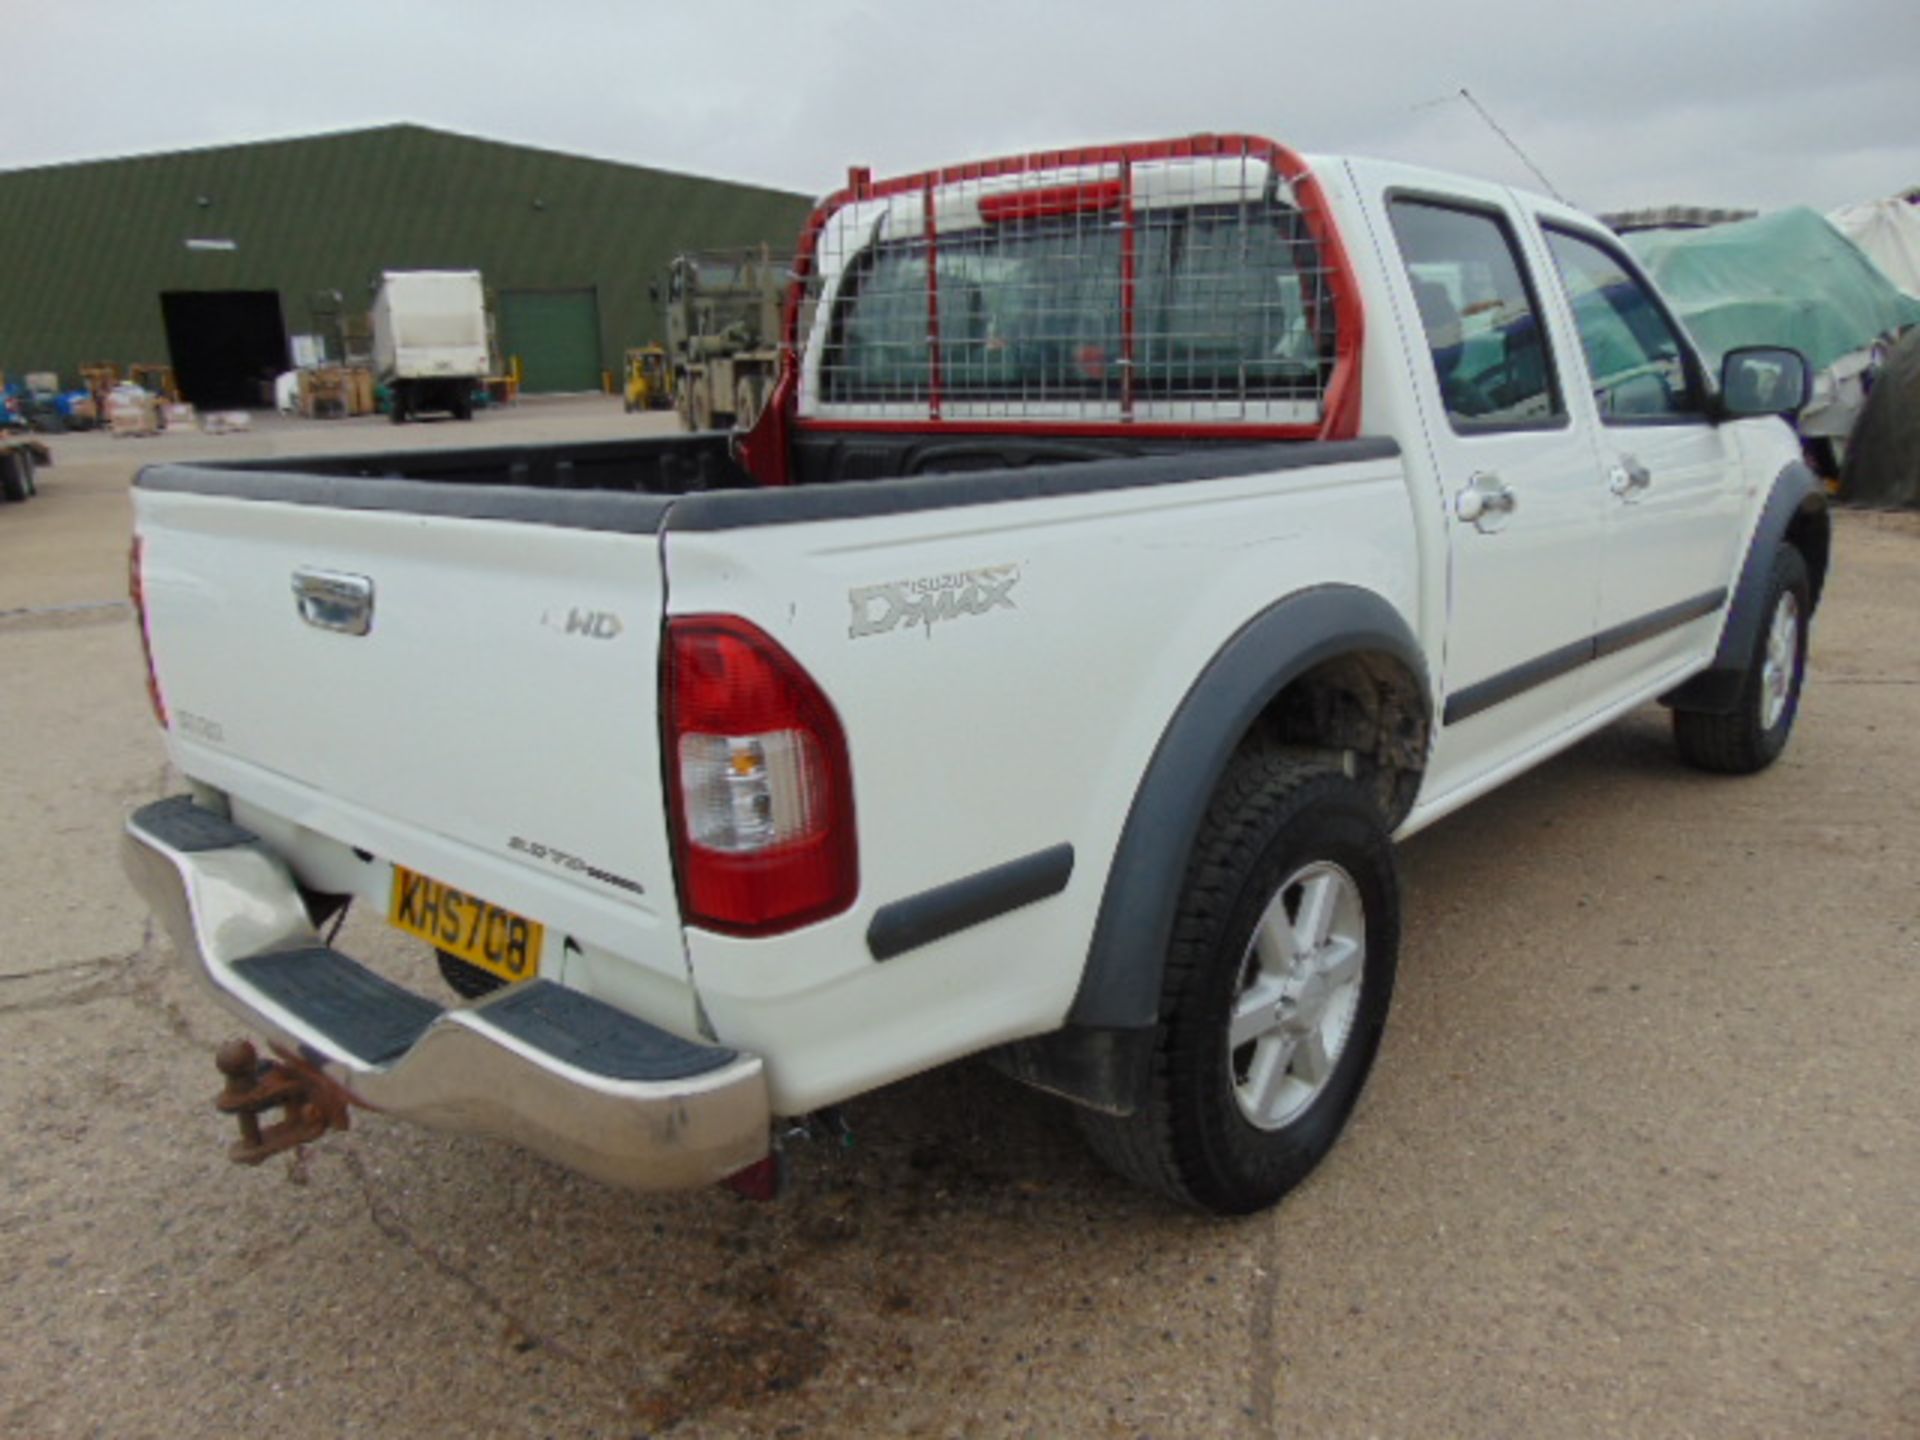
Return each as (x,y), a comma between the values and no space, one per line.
(692,482)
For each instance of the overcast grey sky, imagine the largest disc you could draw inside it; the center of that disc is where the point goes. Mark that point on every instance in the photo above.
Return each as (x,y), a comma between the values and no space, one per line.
(1621,103)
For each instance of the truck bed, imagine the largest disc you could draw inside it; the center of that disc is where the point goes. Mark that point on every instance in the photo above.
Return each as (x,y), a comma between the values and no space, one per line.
(666,467)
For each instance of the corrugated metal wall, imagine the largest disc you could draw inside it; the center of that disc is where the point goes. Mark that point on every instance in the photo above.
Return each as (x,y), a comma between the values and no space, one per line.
(86,249)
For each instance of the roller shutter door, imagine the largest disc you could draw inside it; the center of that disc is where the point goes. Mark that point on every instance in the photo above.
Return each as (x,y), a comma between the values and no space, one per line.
(556,334)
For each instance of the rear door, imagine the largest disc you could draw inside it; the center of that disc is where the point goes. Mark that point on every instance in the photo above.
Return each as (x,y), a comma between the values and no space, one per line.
(473,698)
(555,335)
(1517,485)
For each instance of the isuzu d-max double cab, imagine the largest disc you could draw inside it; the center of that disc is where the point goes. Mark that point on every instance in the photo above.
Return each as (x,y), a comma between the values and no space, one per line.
(1139,539)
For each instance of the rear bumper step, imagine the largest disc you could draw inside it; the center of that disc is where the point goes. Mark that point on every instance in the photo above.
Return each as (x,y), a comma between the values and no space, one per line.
(563,1074)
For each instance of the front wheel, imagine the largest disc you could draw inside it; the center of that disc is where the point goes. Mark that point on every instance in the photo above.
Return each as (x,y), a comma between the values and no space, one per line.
(1275,991)
(1751,736)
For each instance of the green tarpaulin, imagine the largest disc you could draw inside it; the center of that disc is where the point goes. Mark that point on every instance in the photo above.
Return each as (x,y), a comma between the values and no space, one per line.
(1788,278)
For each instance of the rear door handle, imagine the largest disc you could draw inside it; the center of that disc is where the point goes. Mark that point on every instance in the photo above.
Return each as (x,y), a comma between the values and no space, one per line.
(1486,503)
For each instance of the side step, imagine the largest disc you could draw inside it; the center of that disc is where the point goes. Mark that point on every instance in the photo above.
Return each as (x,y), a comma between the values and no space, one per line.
(370,1018)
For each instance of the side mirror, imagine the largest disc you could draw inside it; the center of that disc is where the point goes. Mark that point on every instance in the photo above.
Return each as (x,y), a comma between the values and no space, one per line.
(1763,380)
(653,292)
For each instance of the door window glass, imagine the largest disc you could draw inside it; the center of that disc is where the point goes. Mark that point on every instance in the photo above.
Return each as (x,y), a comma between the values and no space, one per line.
(1481,323)
(1633,352)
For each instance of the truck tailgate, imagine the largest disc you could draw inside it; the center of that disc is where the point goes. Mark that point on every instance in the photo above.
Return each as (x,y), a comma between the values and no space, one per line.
(494,726)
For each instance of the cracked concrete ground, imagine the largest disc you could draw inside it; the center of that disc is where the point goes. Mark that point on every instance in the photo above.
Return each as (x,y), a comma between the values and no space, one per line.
(1639,1157)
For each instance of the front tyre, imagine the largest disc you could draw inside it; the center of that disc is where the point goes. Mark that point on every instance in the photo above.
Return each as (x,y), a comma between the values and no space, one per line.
(1275,991)
(1751,736)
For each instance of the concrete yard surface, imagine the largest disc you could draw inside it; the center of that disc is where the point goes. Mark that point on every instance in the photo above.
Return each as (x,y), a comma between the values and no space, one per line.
(1640,1157)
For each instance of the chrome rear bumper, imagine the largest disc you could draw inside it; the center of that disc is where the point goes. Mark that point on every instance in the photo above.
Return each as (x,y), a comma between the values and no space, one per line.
(563,1074)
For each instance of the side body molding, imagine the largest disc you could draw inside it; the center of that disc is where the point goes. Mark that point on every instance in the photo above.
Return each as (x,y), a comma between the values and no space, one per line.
(1796,507)
(1120,987)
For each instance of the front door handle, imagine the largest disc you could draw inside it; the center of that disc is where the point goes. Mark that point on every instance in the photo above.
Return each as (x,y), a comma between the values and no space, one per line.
(1628,478)
(1486,503)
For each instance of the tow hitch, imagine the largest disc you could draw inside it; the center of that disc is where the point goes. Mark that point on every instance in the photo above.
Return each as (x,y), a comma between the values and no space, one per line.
(312,1103)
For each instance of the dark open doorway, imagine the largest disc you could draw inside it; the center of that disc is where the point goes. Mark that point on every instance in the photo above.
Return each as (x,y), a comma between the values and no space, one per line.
(226,345)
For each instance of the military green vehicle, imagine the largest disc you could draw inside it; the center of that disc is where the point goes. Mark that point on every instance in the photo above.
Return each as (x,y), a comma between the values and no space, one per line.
(723,334)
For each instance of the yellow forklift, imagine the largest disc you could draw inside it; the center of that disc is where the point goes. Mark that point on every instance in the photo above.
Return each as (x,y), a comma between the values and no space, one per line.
(647,386)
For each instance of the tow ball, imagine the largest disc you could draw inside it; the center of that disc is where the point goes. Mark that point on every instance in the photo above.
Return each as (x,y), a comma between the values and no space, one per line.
(311,1103)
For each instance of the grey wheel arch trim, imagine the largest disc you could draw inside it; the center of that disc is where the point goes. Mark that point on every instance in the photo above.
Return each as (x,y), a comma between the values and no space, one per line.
(1797,493)
(1120,987)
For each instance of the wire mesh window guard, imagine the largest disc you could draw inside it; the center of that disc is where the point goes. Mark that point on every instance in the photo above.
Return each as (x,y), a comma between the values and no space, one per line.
(1196,292)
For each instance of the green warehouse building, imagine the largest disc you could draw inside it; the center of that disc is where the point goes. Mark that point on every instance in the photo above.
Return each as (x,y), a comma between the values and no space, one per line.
(213,260)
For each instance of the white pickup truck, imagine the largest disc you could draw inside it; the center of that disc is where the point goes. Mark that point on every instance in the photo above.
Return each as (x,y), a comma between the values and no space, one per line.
(1139,539)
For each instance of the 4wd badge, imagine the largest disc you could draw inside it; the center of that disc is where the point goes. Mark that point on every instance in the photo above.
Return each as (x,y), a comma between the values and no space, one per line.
(878,609)
(591,624)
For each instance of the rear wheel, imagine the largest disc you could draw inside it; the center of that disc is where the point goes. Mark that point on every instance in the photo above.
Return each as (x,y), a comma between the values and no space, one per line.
(14,482)
(1751,736)
(398,406)
(1275,992)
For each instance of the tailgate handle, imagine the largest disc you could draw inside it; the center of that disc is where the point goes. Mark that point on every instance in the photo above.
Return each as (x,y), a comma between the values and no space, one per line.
(331,600)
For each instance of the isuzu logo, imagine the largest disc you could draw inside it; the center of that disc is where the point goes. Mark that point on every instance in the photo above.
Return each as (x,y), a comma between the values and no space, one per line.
(878,609)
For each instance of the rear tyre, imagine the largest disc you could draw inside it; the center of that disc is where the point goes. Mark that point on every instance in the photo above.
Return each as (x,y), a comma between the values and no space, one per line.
(468,981)
(1751,736)
(398,410)
(13,476)
(1275,991)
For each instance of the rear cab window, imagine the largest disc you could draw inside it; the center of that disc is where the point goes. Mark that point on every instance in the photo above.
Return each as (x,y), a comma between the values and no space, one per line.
(1229,305)
(1481,319)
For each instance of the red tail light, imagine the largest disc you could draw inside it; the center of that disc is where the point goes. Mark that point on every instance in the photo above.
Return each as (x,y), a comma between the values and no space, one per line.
(762,792)
(137,592)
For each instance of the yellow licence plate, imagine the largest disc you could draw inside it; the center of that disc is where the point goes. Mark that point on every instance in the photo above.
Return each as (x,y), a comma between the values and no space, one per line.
(498,941)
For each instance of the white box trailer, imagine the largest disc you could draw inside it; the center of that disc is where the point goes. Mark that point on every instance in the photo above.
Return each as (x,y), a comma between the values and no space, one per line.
(430,340)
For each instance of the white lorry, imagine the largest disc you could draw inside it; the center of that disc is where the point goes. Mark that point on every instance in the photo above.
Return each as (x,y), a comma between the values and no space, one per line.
(1139,539)
(430,341)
